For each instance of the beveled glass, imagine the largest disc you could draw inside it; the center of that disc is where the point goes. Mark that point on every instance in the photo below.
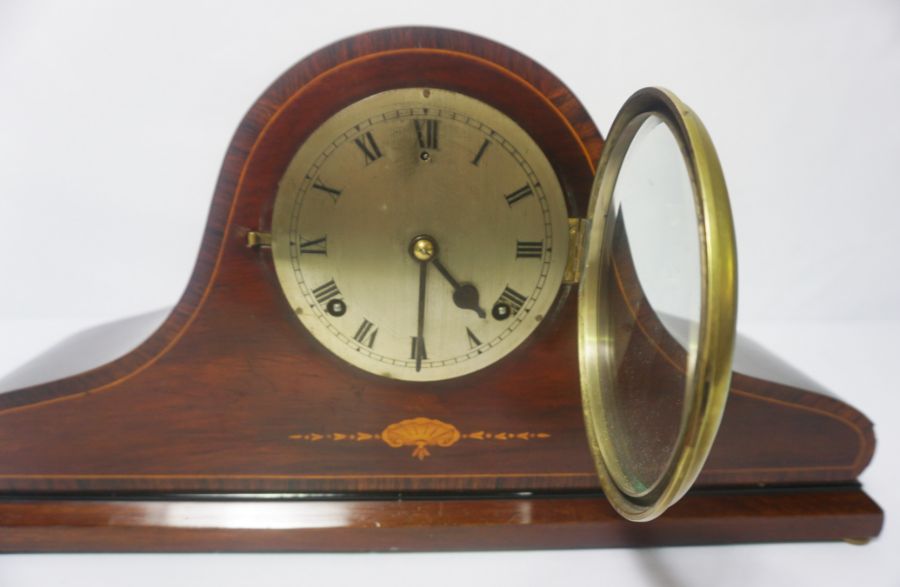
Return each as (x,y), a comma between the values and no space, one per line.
(657,305)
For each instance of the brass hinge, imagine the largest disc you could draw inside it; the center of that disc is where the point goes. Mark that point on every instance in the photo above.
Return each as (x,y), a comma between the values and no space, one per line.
(577,226)
(256,239)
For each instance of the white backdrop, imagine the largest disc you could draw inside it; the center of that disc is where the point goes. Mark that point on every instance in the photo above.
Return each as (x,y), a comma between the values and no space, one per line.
(114,118)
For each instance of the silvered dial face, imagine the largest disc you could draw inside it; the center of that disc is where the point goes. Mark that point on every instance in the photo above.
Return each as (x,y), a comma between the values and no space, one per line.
(420,234)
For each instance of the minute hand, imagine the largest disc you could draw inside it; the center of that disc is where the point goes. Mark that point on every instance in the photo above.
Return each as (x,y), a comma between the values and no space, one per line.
(420,322)
(465,296)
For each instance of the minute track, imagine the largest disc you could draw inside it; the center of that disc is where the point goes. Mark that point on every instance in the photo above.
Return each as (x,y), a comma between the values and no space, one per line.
(400,192)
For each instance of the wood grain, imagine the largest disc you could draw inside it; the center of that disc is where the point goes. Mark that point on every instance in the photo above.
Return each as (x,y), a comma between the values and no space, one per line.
(575,521)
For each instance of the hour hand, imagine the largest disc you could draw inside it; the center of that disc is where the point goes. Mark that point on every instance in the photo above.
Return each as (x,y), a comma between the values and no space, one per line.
(465,295)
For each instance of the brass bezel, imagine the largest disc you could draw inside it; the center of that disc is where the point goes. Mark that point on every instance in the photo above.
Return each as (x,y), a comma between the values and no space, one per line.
(708,378)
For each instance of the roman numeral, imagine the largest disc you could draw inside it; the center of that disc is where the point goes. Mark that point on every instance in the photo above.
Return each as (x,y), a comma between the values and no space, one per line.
(334,193)
(326,291)
(517,195)
(480,152)
(365,335)
(529,249)
(473,340)
(417,350)
(317,246)
(369,147)
(427,133)
(512,298)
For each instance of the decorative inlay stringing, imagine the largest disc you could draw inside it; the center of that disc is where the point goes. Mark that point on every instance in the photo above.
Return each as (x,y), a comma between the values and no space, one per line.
(420,433)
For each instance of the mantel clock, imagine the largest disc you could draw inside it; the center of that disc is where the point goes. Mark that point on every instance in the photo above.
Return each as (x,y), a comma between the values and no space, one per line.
(434,309)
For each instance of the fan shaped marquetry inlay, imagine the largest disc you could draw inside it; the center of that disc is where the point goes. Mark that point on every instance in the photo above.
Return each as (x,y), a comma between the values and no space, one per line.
(420,434)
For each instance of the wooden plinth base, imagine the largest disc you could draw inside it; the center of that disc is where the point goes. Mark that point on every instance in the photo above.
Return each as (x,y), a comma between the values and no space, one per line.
(490,523)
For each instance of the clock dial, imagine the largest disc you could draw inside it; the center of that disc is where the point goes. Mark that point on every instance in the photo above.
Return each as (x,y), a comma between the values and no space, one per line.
(420,234)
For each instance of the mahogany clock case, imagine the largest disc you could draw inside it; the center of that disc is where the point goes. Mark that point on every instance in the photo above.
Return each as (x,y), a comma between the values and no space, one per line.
(231,411)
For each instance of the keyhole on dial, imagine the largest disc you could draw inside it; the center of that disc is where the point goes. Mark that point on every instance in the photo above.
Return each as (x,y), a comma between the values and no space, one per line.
(501,311)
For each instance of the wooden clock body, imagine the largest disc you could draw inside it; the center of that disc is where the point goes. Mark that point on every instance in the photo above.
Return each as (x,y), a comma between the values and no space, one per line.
(231,428)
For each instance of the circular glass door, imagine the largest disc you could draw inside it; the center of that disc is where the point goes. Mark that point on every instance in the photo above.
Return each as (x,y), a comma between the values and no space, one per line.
(657,305)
